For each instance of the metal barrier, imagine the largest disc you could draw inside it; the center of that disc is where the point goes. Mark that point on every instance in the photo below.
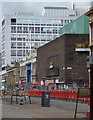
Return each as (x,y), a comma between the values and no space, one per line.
(20,96)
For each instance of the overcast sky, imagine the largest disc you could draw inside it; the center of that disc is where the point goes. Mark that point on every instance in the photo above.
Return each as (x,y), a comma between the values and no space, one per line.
(33,6)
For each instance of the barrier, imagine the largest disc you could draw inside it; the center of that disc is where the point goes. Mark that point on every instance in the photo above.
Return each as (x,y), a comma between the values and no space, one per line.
(64,94)
(58,94)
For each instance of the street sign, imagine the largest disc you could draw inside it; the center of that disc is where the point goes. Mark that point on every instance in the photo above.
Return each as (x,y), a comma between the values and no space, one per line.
(84,92)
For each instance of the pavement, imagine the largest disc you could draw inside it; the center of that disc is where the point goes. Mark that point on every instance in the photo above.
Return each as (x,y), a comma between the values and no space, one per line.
(34,111)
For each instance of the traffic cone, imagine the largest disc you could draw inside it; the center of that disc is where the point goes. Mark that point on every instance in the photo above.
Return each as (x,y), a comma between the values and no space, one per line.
(88,113)
(21,102)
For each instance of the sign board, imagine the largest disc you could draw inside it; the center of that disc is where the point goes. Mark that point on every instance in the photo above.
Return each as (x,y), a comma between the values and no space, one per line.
(83,92)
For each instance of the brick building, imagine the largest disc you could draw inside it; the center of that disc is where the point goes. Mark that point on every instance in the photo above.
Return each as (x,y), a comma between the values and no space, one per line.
(64,61)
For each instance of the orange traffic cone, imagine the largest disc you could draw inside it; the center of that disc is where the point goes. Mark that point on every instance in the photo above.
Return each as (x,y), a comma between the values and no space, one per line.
(88,113)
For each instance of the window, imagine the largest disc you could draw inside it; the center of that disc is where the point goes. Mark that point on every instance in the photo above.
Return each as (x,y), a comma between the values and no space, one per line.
(19,52)
(24,53)
(19,59)
(13,52)
(19,29)
(19,22)
(13,44)
(37,29)
(13,21)
(31,29)
(37,21)
(13,29)
(43,30)
(13,35)
(19,44)
(66,22)
(25,29)
(49,30)
(43,22)
(13,60)
(25,21)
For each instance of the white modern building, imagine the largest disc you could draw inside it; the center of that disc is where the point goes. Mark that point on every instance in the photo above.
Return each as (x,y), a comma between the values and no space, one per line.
(22,33)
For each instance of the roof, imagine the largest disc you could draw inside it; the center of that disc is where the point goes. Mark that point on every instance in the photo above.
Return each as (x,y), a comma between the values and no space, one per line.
(89,12)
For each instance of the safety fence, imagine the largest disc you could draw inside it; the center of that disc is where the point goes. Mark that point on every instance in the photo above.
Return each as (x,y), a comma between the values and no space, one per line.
(68,95)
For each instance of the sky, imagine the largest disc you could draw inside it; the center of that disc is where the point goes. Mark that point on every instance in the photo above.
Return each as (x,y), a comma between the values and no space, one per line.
(32,6)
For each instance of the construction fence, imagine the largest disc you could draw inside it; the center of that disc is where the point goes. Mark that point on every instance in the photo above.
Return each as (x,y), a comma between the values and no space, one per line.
(64,94)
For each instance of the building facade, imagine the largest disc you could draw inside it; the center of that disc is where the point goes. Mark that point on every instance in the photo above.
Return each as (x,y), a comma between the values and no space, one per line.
(64,61)
(22,33)
(13,76)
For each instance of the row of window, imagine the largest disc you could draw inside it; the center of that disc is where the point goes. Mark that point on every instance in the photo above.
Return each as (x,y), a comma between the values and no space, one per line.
(27,36)
(54,30)
(36,21)
(19,52)
(15,60)
(25,44)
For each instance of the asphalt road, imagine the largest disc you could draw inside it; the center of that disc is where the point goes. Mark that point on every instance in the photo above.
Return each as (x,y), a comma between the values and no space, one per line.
(58,104)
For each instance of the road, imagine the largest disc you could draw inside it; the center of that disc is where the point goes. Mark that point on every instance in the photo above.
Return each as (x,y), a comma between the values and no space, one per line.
(58,104)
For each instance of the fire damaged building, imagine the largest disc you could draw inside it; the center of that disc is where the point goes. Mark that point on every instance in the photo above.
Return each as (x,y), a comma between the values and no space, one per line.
(63,61)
